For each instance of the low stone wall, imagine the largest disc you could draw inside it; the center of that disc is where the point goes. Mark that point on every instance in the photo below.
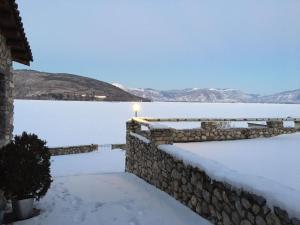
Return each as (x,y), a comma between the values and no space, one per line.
(210,131)
(73,149)
(221,203)
(118,146)
(198,135)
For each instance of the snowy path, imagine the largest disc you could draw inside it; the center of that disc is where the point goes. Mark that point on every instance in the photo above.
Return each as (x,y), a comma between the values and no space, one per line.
(90,163)
(110,199)
(83,192)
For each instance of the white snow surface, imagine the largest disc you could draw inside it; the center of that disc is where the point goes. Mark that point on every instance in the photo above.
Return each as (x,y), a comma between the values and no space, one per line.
(140,137)
(93,189)
(65,123)
(267,166)
(89,163)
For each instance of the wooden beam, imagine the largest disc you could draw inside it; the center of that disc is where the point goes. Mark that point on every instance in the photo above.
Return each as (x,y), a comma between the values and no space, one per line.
(20,57)
(18,53)
(22,61)
(11,33)
(5,15)
(7,23)
(3,4)
(12,29)
(15,44)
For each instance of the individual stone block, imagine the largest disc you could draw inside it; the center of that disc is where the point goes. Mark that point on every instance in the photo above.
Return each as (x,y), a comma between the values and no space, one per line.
(210,125)
(162,136)
(297,125)
(275,124)
(132,126)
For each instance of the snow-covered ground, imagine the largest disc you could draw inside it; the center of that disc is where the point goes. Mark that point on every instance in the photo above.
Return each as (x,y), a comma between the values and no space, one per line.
(64,123)
(90,163)
(93,189)
(267,166)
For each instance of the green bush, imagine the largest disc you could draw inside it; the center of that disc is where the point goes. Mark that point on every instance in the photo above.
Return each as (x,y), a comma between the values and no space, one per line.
(25,167)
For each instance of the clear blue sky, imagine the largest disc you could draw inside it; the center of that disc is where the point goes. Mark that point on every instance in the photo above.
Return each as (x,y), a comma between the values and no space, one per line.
(252,45)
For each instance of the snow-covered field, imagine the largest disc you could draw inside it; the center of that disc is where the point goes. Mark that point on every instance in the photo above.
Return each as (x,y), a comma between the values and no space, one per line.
(64,123)
(92,189)
(267,166)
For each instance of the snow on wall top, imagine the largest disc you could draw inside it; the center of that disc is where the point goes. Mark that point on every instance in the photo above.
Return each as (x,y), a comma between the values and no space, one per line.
(276,194)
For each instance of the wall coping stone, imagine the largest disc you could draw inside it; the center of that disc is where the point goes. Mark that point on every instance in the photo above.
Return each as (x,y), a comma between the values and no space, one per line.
(73,149)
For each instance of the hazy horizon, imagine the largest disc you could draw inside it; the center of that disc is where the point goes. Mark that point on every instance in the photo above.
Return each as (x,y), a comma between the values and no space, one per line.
(117,84)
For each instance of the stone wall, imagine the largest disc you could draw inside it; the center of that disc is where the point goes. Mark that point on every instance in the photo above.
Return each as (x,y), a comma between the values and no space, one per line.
(221,203)
(6,93)
(118,146)
(210,131)
(198,135)
(73,149)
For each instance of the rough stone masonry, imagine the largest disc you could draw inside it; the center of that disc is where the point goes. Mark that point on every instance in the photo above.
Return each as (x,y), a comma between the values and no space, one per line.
(6,92)
(73,149)
(219,202)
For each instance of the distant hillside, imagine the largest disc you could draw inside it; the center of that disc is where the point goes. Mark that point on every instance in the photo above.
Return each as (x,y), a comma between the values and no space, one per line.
(283,97)
(212,95)
(30,84)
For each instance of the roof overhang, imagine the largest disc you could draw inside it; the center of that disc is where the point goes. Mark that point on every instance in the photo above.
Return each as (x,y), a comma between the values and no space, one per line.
(11,27)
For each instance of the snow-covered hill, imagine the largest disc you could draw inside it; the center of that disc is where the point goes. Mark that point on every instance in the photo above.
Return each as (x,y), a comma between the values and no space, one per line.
(283,97)
(211,95)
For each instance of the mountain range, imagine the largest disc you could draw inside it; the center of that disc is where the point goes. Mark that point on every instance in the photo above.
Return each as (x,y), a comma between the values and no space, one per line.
(212,95)
(31,84)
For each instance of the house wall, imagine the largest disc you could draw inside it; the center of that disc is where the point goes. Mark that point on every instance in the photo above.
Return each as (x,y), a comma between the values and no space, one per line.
(6,93)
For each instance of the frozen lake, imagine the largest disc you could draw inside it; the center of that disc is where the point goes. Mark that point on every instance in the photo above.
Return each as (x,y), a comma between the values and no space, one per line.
(64,123)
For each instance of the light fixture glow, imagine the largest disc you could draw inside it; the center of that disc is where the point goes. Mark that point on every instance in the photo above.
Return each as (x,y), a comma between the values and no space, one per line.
(136,108)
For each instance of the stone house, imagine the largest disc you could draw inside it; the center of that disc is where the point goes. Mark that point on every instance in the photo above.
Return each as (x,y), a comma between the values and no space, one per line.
(13,47)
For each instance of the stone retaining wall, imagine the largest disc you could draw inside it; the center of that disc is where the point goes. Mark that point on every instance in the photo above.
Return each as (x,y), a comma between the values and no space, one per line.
(73,149)
(198,135)
(6,93)
(210,131)
(221,203)
(118,146)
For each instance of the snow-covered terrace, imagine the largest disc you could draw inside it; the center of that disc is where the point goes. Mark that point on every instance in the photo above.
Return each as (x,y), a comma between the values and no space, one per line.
(264,166)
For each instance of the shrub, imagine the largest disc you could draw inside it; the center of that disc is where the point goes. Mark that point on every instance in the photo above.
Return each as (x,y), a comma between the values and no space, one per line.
(25,167)
(2,201)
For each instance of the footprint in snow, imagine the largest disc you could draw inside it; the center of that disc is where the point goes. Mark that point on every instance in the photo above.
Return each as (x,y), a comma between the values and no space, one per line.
(79,218)
(97,206)
(128,205)
(141,213)
(76,201)
(134,221)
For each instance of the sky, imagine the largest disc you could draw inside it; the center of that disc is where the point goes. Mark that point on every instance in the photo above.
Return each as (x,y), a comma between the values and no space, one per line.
(251,45)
